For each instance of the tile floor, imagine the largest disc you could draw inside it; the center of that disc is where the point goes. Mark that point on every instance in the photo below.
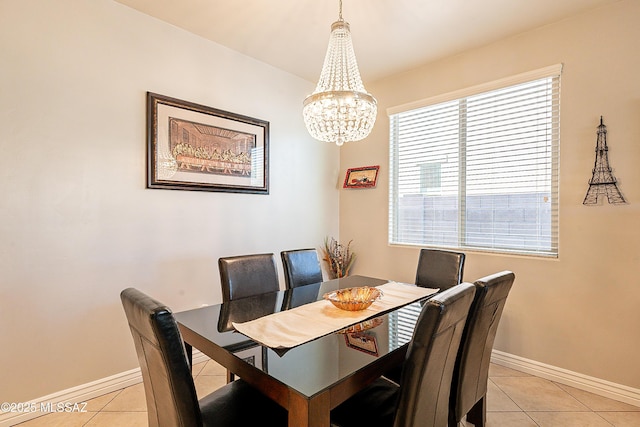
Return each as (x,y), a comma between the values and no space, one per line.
(514,399)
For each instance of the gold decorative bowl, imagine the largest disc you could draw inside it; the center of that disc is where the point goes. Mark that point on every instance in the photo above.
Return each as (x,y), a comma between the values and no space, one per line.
(354,299)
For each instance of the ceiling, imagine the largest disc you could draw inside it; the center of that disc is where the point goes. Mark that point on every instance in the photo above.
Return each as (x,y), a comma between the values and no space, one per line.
(389,36)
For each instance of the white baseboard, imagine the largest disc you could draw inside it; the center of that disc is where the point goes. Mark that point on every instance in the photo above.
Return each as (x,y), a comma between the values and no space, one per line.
(83,392)
(593,385)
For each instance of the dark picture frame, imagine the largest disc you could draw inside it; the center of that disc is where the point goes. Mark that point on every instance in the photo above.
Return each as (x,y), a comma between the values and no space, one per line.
(363,177)
(195,147)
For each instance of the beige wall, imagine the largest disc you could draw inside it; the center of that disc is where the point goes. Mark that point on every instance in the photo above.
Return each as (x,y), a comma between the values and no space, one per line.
(76,222)
(579,312)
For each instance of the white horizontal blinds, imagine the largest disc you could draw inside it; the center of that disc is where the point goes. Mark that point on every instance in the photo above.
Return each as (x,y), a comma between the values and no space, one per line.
(426,164)
(511,167)
(479,171)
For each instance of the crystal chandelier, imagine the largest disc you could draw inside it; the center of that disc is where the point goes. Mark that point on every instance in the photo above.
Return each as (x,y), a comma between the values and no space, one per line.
(340,109)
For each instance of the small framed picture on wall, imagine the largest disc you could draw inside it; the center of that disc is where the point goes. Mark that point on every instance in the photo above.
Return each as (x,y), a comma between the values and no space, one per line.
(362,177)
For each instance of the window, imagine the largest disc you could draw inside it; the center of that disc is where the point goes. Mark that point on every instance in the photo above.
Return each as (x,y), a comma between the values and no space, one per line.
(478,169)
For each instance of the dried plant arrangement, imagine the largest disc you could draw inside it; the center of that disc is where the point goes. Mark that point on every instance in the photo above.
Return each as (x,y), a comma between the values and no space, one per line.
(339,258)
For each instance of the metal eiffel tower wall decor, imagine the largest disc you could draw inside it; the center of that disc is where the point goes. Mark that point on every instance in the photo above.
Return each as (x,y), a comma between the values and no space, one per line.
(602,183)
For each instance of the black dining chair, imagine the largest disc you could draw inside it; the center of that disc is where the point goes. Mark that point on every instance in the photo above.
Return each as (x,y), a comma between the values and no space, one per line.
(247,275)
(168,384)
(469,388)
(422,397)
(436,269)
(301,267)
(439,269)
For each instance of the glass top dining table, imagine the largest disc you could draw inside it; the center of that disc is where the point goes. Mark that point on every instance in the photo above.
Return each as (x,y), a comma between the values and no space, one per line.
(310,379)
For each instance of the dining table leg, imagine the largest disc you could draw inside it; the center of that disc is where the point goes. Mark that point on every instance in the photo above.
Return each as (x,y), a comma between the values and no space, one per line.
(305,412)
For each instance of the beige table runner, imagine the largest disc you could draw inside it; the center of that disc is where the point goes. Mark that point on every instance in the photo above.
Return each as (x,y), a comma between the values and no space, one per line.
(290,328)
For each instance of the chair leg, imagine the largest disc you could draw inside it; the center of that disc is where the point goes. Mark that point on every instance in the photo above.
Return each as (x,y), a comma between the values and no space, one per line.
(230,376)
(452,422)
(189,350)
(478,413)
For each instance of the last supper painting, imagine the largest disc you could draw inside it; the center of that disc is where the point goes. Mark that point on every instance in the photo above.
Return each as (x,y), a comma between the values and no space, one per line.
(210,149)
(195,147)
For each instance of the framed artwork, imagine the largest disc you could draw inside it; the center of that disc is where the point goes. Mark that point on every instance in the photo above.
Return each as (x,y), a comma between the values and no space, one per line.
(361,177)
(362,341)
(194,147)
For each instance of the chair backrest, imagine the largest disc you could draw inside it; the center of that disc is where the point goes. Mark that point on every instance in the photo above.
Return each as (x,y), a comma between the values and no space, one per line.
(248,275)
(428,368)
(301,267)
(472,364)
(166,374)
(439,269)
